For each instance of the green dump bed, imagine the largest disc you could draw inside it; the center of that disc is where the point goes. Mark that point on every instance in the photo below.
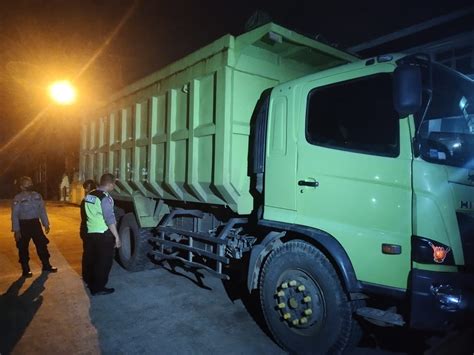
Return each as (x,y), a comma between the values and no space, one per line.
(182,133)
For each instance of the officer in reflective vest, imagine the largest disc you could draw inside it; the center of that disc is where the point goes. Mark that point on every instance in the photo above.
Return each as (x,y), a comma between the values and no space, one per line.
(101,237)
(27,211)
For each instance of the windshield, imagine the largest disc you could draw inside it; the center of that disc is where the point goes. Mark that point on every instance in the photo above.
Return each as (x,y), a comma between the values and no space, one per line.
(446,134)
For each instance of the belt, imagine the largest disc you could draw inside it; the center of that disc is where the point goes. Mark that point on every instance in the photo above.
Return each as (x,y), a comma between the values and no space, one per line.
(99,234)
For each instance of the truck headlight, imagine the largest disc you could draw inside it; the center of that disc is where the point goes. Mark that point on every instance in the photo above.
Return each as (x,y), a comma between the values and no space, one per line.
(427,251)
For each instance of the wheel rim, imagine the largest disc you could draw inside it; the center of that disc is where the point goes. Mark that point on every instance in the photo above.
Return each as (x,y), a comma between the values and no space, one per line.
(126,240)
(300,302)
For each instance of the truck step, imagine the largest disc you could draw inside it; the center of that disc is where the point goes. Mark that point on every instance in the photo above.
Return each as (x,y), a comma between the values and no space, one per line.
(200,252)
(381,317)
(173,243)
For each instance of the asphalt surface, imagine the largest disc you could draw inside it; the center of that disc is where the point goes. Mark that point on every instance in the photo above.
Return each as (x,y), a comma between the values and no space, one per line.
(157,311)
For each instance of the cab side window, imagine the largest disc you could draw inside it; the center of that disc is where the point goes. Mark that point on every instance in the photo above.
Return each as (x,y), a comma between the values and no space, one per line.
(356,115)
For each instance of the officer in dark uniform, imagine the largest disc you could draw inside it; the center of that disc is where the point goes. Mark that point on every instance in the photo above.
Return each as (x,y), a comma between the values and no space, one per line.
(101,237)
(89,185)
(27,211)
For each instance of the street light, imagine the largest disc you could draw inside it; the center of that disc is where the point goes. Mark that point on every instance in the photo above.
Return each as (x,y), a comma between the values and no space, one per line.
(62,92)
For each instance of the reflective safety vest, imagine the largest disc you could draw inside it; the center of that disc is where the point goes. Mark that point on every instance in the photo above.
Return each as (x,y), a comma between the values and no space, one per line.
(93,211)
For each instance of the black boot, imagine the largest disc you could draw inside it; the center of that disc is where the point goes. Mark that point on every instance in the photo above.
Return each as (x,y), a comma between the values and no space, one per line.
(48,268)
(26,272)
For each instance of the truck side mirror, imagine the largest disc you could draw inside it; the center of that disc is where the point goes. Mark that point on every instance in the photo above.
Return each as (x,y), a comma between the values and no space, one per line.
(407,89)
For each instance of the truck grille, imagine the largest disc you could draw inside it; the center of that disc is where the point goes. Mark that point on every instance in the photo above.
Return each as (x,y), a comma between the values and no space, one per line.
(466,229)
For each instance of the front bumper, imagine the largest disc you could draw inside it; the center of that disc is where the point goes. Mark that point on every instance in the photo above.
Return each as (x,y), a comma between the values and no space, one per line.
(441,299)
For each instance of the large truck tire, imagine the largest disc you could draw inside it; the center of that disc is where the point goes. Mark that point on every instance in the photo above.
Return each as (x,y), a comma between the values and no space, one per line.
(133,254)
(303,302)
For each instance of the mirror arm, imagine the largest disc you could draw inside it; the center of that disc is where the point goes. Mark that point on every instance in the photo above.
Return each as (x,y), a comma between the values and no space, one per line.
(416,147)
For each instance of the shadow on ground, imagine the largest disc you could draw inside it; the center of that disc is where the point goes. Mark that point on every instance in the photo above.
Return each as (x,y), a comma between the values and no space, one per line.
(172,310)
(198,279)
(235,288)
(18,310)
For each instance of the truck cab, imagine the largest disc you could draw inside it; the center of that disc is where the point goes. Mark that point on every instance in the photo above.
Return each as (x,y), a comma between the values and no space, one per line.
(379,156)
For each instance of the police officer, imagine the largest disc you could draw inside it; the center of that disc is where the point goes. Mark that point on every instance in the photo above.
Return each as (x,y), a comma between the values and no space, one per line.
(27,211)
(89,185)
(101,237)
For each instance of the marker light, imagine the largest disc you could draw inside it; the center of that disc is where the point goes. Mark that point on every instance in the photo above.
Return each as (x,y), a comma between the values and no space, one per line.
(392,249)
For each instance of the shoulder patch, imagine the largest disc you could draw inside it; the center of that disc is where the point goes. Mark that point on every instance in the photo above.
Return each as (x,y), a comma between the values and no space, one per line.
(90,199)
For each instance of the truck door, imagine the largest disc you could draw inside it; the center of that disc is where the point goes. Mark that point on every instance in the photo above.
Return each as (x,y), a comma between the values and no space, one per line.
(280,164)
(354,172)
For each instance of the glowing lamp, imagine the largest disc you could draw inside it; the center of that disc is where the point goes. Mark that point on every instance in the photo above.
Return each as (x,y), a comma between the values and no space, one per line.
(62,92)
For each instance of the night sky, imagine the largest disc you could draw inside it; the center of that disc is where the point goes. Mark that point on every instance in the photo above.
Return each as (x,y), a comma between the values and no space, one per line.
(43,40)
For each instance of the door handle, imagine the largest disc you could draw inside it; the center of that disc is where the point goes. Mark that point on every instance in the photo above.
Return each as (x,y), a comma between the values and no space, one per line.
(310,183)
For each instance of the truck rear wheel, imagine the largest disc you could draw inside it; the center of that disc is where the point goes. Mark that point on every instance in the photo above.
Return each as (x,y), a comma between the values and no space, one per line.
(304,304)
(133,254)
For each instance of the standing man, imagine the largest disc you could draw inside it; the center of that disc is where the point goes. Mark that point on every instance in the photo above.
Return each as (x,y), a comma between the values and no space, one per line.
(89,185)
(27,211)
(101,237)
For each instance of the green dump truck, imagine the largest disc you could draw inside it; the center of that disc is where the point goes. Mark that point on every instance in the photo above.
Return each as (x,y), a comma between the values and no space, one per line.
(340,188)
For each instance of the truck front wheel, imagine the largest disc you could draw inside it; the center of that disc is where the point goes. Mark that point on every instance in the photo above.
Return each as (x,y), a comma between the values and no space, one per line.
(303,302)
(133,254)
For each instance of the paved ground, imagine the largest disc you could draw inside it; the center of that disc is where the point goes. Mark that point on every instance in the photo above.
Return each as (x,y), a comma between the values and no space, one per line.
(153,311)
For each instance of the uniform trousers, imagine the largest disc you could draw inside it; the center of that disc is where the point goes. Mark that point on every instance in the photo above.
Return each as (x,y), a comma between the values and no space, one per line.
(31,229)
(98,258)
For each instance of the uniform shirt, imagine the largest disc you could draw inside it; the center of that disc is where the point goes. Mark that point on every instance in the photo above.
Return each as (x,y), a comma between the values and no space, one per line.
(28,205)
(107,205)
(98,210)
